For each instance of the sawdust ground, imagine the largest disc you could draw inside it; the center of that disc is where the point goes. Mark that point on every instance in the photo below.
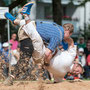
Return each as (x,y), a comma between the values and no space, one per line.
(35,85)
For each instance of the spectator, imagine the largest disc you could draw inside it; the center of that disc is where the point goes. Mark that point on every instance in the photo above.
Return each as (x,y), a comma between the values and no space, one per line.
(14,42)
(77,67)
(81,57)
(75,72)
(15,56)
(87,67)
(87,49)
(88,60)
(4,54)
(81,43)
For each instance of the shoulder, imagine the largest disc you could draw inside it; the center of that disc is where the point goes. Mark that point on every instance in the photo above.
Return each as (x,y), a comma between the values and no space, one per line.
(16,41)
(10,41)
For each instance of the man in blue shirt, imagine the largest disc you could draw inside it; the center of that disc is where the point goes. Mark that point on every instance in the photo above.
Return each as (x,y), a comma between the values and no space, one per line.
(50,32)
(4,54)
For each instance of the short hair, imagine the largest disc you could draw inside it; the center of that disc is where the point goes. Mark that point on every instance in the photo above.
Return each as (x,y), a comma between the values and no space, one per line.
(13,33)
(69,26)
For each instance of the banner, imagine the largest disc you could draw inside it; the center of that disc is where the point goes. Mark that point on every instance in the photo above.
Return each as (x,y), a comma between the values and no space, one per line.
(2,11)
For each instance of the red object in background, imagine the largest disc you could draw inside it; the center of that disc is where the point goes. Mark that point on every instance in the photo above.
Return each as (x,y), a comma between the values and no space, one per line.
(76,57)
(64,79)
(66,16)
(76,77)
(88,59)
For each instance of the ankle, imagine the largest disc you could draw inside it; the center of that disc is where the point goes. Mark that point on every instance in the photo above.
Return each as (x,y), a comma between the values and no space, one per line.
(27,18)
(27,21)
(16,21)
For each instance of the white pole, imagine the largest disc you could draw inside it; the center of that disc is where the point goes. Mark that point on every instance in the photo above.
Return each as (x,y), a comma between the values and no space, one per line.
(9,46)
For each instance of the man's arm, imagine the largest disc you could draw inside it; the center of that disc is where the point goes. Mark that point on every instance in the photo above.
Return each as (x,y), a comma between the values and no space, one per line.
(54,42)
(48,55)
(70,42)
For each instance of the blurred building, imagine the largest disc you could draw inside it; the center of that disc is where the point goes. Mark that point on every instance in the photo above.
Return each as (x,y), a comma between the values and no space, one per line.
(72,12)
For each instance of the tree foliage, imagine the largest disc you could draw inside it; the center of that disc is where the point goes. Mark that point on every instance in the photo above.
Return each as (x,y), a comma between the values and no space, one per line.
(3,31)
(16,3)
(84,2)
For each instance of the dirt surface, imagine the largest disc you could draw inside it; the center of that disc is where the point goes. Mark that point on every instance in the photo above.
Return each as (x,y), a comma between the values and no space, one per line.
(26,85)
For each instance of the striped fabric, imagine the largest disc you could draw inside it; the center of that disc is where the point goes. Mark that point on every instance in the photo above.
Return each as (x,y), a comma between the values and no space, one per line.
(51,33)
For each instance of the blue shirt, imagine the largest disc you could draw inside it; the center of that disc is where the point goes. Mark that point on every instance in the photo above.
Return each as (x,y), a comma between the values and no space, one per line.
(64,44)
(51,33)
(5,55)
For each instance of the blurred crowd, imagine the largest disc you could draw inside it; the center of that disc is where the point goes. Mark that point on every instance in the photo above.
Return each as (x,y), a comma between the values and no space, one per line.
(83,56)
(83,59)
(22,69)
(20,66)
